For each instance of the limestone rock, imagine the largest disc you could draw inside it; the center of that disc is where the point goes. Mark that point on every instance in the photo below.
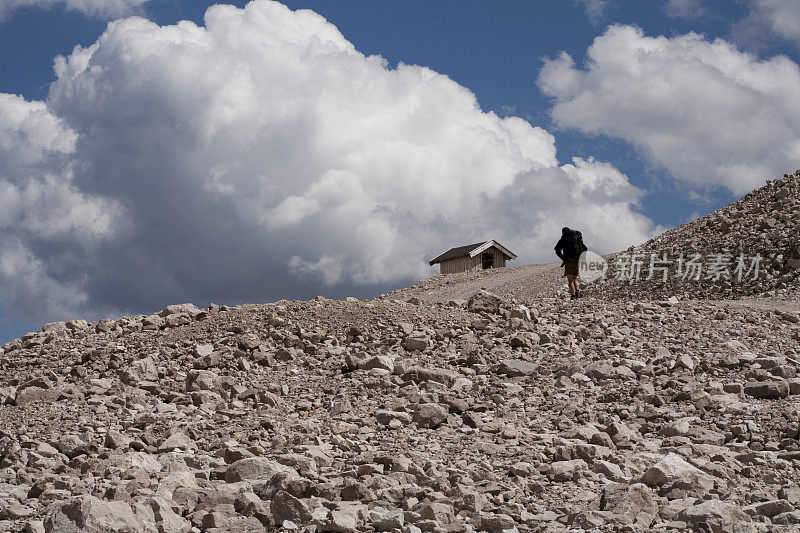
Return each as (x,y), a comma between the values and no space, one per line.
(416,341)
(255,468)
(771,390)
(87,514)
(140,370)
(630,504)
(484,302)
(674,472)
(430,415)
(714,515)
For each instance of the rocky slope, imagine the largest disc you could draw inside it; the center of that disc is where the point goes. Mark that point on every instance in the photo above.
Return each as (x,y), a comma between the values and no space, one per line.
(527,283)
(391,415)
(439,408)
(765,222)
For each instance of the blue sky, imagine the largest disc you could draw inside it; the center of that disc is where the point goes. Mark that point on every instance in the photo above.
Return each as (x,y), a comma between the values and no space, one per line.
(108,220)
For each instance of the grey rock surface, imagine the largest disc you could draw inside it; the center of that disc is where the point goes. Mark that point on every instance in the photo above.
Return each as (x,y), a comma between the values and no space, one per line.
(483,401)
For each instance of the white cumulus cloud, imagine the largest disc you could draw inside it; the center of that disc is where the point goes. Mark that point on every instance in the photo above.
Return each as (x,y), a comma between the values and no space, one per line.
(595,9)
(29,290)
(38,197)
(783,17)
(262,156)
(97,8)
(707,112)
(45,220)
(769,19)
(29,133)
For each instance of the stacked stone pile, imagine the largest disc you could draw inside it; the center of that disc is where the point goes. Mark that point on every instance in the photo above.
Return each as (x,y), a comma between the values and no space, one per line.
(387,415)
(765,222)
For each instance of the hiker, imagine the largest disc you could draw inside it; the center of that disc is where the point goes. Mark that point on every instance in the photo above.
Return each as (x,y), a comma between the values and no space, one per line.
(569,249)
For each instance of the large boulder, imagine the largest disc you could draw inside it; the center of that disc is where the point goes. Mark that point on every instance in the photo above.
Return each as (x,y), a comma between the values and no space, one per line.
(284,506)
(416,340)
(565,471)
(630,504)
(713,515)
(72,446)
(255,469)
(769,508)
(139,371)
(152,322)
(34,395)
(137,463)
(521,312)
(440,375)
(516,367)
(177,440)
(385,417)
(157,510)
(768,390)
(497,523)
(439,512)
(430,415)
(197,380)
(8,395)
(346,517)
(87,514)
(386,519)
(189,309)
(673,472)
(381,362)
(484,302)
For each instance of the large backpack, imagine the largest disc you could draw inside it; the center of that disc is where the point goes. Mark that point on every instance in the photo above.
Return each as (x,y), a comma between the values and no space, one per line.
(573,245)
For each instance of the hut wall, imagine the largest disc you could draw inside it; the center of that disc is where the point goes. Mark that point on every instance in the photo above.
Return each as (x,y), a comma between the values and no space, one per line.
(463,264)
(460,264)
(498,259)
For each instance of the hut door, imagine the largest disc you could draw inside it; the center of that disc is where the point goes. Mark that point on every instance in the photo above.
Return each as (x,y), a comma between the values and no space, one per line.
(487,261)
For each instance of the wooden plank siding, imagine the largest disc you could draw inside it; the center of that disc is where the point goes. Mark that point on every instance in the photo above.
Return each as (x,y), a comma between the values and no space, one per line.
(460,264)
(498,261)
(463,264)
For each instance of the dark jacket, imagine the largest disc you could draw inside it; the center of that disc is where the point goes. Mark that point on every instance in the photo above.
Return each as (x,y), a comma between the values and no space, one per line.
(570,246)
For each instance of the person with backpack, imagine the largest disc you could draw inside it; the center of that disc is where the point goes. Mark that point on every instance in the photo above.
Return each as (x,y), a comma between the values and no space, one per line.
(569,249)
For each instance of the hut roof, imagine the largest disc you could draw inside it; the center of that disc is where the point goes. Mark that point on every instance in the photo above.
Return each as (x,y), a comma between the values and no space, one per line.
(471,250)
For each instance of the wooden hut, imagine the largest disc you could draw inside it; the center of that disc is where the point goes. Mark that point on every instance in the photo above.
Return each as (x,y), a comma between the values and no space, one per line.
(479,256)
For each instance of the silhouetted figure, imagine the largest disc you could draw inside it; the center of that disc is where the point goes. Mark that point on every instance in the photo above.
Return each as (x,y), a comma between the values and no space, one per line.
(569,249)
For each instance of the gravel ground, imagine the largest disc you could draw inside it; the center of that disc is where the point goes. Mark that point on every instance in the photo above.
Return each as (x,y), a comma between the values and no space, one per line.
(768,304)
(386,415)
(524,283)
(440,408)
